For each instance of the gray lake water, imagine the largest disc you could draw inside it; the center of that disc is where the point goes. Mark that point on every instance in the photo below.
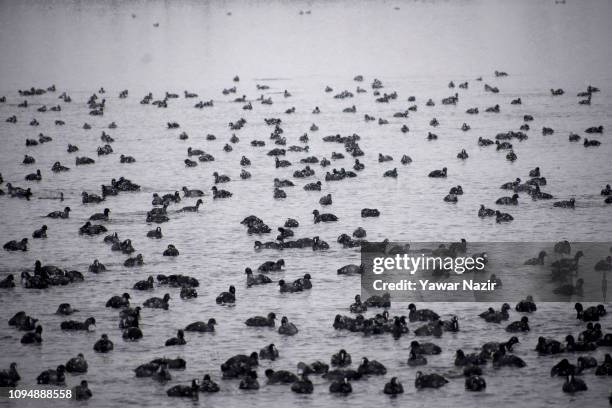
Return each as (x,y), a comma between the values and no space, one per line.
(414,48)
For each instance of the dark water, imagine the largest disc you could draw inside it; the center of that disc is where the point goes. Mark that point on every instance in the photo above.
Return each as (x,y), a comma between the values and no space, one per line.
(415,50)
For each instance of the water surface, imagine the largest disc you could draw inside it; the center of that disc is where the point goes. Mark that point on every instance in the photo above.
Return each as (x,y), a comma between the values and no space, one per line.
(415,50)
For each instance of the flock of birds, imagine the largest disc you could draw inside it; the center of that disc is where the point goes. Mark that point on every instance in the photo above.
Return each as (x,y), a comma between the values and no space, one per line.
(243,367)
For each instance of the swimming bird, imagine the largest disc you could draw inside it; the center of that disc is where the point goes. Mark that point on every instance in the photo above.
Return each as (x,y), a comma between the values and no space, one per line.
(390,173)
(569,289)
(156,233)
(519,326)
(503,217)
(22,321)
(586,362)
(270,352)
(313,186)
(171,251)
(8,282)
(218,194)
(326,217)
(227,298)
(489,348)
(592,333)
(341,387)
(475,383)
(429,380)
(119,301)
(494,316)
(88,325)
(202,327)
(133,332)
(103,345)
(537,261)
(508,200)
(284,233)
(11,377)
(341,359)
(565,265)
(17,245)
(97,267)
(421,315)
(60,214)
(573,345)
(326,200)
(502,359)
(249,381)
(53,377)
(271,266)
(280,377)
(185,390)
(261,321)
(77,364)
(40,233)
(303,385)
(151,367)
(287,328)
(303,283)
(18,192)
(563,368)
(358,306)
(438,173)
(162,374)
(65,309)
(526,306)
(221,178)
(425,348)
(317,367)
(285,287)
(548,346)
(208,385)
(192,193)
(358,166)
(565,204)
(144,284)
(462,359)
(157,303)
(573,385)
(188,293)
(605,368)
(179,340)
(258,279)
(34,176)
(134,261)
(370,212)
(58,168)
(604,264)
(92,229)
(483,142)
(485,212)
(591,143)
(279,194)
(100,216)
(416,359)
(33,337)
(239,365)
(371,367)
